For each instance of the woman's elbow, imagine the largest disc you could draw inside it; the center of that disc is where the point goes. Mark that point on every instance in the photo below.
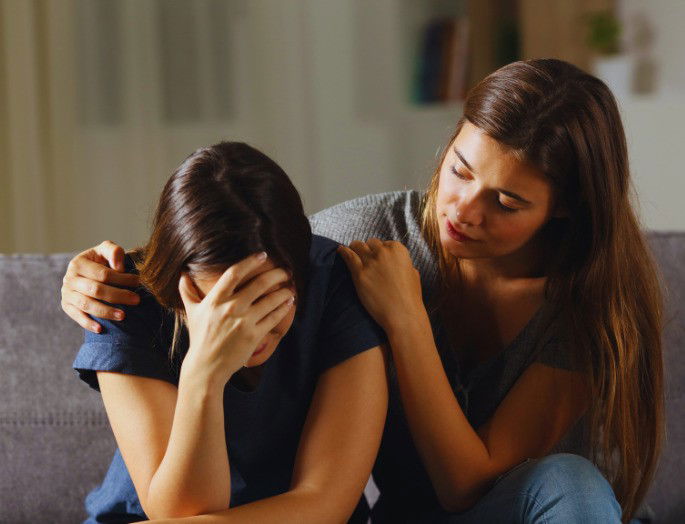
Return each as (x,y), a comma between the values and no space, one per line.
(177,511)
(161,509)
(167,506)
(326,503)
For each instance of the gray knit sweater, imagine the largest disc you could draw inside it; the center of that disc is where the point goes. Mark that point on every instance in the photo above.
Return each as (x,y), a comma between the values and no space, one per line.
(388,216)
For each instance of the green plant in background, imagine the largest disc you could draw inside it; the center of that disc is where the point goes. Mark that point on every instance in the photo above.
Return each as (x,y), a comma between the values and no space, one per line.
(604,32)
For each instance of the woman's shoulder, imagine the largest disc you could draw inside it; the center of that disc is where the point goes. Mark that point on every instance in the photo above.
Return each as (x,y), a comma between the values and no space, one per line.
(141,321)
(328,274)
(390,216)
(327,270)
(379,199)
(136,345)
(553,342)
(148,307)
(323,250)
(394,215)
(332,324)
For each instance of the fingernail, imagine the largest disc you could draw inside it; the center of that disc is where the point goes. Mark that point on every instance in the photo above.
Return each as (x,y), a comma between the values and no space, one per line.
(96,328)
(118,315)
(262,255)
(291,300)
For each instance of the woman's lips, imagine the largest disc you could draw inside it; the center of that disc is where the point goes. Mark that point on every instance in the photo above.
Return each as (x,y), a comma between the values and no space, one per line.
(456,235)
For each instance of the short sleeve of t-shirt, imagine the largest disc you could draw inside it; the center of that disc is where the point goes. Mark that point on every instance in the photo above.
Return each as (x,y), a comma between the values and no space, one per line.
(556,348)
(131,346)
(555,354)
(346,327)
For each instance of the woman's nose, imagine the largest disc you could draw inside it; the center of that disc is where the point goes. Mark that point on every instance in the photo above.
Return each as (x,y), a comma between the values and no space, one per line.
(469,210)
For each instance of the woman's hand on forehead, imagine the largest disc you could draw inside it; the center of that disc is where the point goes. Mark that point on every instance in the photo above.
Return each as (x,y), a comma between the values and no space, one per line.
(264,283)
(244,282)
(268,267)
(228,323)
(248,280)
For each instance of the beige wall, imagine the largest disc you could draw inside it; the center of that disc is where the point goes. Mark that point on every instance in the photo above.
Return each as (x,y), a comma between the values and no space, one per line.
(654,120)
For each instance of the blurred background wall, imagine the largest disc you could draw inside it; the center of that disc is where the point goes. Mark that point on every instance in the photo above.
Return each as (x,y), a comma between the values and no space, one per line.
(101,99)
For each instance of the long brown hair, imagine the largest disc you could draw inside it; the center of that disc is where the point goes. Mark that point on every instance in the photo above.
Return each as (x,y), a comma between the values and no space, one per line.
(223,203)
(600,274)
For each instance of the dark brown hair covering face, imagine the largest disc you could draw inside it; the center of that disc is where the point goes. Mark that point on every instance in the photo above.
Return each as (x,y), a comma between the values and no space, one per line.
(601,276)
(222,204)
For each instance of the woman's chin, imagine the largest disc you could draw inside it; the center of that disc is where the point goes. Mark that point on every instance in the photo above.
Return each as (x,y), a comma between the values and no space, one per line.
(259,357)
(454,248)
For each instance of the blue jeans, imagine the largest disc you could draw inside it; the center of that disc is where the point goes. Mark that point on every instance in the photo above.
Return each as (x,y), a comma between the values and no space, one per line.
(560,488)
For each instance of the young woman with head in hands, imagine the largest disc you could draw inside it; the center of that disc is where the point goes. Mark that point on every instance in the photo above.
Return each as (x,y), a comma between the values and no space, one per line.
(522,310)
(248,385)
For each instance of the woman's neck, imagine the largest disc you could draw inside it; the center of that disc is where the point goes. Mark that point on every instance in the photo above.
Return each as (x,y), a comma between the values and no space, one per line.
(525,264)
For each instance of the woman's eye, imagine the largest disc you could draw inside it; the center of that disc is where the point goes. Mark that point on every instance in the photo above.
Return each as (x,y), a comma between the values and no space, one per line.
(506,208)
(458,174)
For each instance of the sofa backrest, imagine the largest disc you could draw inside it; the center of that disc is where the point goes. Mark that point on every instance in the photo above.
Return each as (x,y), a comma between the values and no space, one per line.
(667,496)
(55,441)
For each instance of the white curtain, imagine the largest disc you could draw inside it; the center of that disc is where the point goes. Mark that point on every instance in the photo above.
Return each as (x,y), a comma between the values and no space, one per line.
(26,117)
(101,99)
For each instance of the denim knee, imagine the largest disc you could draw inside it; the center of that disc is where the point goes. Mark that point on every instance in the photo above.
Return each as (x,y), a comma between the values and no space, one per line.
(567,488)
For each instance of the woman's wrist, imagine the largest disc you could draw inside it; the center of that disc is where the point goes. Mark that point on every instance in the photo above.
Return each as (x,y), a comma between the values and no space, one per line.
(407,323)
(203,375)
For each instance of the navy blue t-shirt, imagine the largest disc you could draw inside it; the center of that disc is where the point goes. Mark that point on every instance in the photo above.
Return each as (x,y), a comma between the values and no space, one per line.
(263,426)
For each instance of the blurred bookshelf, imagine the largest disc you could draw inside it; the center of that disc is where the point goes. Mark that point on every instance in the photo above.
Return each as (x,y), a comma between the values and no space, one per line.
(440,49)
(416,60)
(456,43)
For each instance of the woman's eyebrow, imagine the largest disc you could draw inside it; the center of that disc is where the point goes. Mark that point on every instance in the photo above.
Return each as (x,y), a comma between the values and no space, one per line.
(513,195)
(510,194)
(463,160)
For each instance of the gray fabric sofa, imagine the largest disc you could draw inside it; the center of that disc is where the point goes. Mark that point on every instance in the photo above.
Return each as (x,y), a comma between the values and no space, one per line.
(55,441)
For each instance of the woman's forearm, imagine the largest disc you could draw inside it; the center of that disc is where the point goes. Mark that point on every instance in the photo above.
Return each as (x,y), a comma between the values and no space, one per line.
(455,456)
(193,476)
(293,506)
